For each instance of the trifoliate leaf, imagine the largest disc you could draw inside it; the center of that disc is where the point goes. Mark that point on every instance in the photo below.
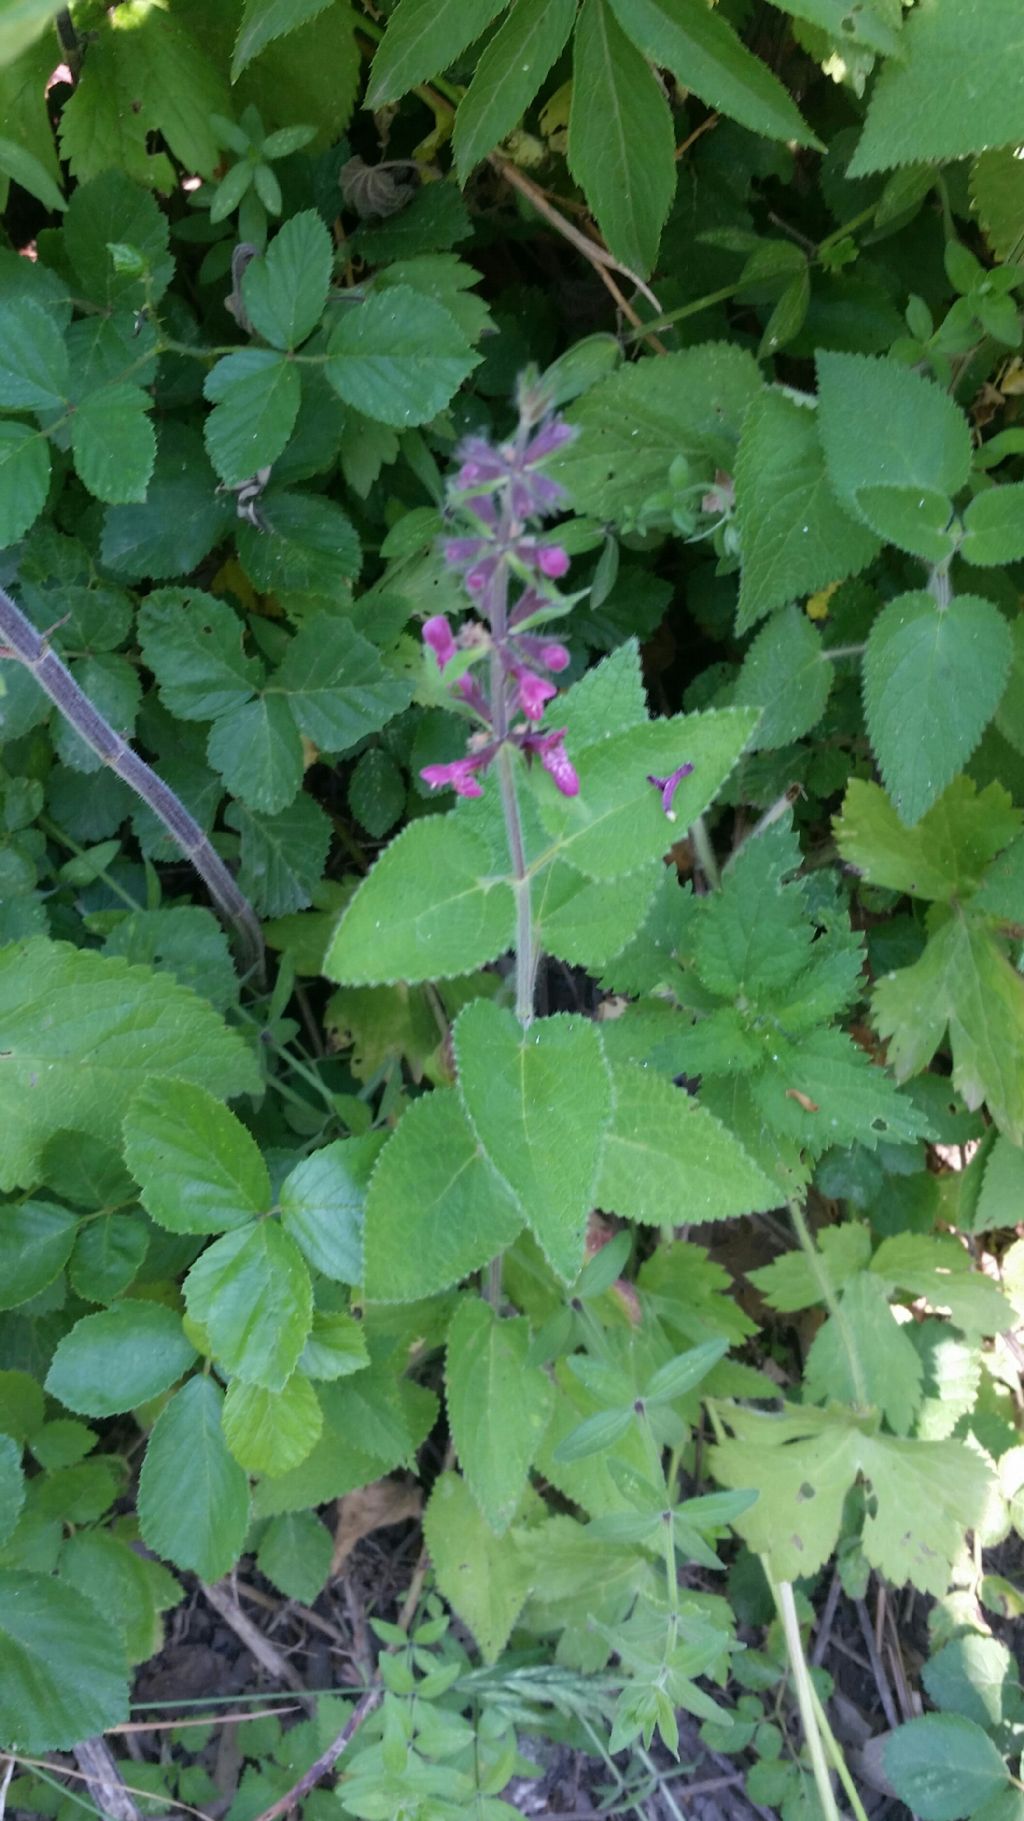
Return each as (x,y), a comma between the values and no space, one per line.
(271,1431)
(256,396)
(436,1209)
(193,1497)
(932,681)
(83,1032)
(336,684)
(487,1370)
(63,1669)
(284,290)
(119,1358)
(398,357)
(198,1169)
(251,1292)
(794,534)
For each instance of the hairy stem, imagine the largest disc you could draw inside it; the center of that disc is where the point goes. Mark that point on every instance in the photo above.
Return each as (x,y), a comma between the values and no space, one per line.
(705,853)
(20,640)
(831,1301)
(786,1604)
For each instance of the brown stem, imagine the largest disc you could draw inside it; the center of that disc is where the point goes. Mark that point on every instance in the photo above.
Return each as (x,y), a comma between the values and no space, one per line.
(20,640)
(591,249)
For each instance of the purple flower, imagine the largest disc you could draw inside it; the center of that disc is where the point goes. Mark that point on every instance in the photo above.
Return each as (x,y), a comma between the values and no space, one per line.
(438,635)
(552,561)
(459,776)
(550,748)
(554,657)
(551,437)
(668,787)
(533,691)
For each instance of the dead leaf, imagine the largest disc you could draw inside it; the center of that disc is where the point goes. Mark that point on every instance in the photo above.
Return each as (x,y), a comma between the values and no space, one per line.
(372,1508)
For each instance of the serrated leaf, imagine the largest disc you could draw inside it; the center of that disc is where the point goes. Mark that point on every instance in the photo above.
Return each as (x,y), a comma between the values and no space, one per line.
(307,546)
(436,1209)
(120,1585)
(336,684)
(398,357)
(105,211)
(257,751)
(994,526)
(20,26)
(63,1670)
(621,146)
(36,1238)
(863,1357)
(540,1102)
(936,1267)
(83,1032)
(944,1766)
(12,1486)
(282,856)
(963,980)
(705,55)
(636,423)
(486,1372)
(944,855)
(271,1431)
(284,290)
(114,443)
(251,1292)
(34,372)
(372,1423)
(787,675)
(803,1462)
(192,642)
(336,1346)
(932,681)
(295,1555)
(24,479)
(376,791)
(430,909)
(322,1204)
(974,1676)
(423,37)
(945,53)
(264,20)
(875,26)
(181,519)
(794,534)
(508,74)
(997,188)
(107,1256)
(617,822)
(666,1159)
(193,1497)
(823,1089)
(198,1169)
(256,394)
(884,426)
(481,1575)
(119,1358)
(588,922)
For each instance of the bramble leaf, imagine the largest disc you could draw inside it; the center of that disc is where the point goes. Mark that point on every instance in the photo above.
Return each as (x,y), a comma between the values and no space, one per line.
(398,357)
(271,1431)
(119,1358)
(285,289)
(621,145)
(251,1292)
(423,37)
(198,1169)
(336,684)
(63,1670)
(509,71)
(193,1497)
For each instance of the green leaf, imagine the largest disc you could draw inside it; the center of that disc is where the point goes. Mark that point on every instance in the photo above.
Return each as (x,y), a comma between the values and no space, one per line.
(20,25)
(398,357)
(120,1585)
(803,1462)
(308,547)
(872,25)
(963,980)
(251,1292)
(111,210)
(192,642)
(24,479)
(486,1373)
(22,1408)
(257,751)
(944,856)
(852,1100)
(62,1443)
(26,170)
(182,518)
(933,677)
(634,425)
(508,74)
(540,1103)
(436,1209)
(83,1032)
(34,371)
(1002,893)
(621,145)
(795,537)
(482,1576)
(994,526)
(664,1152)
(617,821)
(863,1357)
(322,1204)
(119,1358)
(997,190)
(588,922)
(376,792)
(944,1766)
(198,1169)
(432,908)
(975,1676)
(705,55)
(256,394)
(282,856)
(264,20)
(295,1555)
(886,427)
(965,59)
(336,1346)
(114,443)
(108,1255)
(285,289)
(63,1671)
(12,1486)
(936,1267)
(336,684)
(372,1423)
(35,1244)
(423,37)
(271,1431)
(787,675)
(193,1498)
